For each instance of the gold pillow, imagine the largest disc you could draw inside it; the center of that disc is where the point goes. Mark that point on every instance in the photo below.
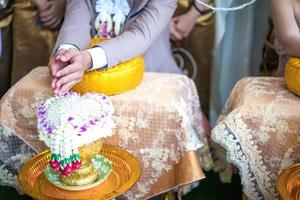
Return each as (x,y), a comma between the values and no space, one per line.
(115,80)
(292,75)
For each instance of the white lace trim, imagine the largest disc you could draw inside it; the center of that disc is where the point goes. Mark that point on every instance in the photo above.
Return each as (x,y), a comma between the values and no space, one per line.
(236,156)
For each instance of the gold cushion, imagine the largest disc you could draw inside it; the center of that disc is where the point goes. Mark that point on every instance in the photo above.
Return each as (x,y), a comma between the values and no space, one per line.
(292,75)
(118,79)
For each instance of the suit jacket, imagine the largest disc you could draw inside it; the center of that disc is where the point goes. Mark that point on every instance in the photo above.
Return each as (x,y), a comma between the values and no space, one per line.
(146,31)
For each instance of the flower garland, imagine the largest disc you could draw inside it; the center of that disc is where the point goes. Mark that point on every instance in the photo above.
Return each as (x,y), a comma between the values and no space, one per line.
(68,122)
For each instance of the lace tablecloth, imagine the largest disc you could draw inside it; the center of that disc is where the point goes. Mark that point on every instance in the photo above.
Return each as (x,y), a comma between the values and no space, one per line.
(160,122)
(259,128)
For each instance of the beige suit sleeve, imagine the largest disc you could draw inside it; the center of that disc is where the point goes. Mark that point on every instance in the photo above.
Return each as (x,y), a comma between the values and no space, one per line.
(76,27)
(146,28)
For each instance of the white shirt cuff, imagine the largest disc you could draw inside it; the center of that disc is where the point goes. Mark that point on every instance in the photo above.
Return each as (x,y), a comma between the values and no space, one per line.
(98,57)
(67,46)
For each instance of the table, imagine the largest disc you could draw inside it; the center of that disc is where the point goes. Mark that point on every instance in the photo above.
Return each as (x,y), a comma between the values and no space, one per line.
(259,128)
(160,122)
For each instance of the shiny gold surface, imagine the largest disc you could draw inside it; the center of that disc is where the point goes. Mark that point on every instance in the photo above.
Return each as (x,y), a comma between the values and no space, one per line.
(292,75)
(86,175)
(90,150)
(288,184)
(115,80)
(126,171)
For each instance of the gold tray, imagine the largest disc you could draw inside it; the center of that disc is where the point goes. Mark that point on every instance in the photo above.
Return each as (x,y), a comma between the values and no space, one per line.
(126,172)
(288,183)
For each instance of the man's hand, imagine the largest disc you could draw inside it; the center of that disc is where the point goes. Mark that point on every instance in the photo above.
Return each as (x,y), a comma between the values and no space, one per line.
(56,65)
(52,15)
(66,77)
(182,25)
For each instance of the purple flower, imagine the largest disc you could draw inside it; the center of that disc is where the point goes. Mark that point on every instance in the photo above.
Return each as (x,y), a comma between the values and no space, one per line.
(42,113)
(82,129)
(49,130)
(70,119)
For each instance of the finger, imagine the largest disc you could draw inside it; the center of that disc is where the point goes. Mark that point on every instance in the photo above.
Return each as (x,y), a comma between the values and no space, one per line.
(47,10)
(176,35)
(53,83)
(176,19)
(173,38)
(68,78)
(172,28)
(172,34)
(172,25)
(54,66)
(181,29)
(46,15)
(185,34)
(74,67)
(59,53)
(55,25)
(65,88)
(49,23)
(68,55)
(45,18)
(45,7)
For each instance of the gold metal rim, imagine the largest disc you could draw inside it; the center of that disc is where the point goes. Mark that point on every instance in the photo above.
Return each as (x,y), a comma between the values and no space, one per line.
(283,180)
(106,150)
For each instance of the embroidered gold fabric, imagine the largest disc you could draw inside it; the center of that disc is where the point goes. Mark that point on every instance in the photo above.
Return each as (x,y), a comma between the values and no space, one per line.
(160,122)
(259,128)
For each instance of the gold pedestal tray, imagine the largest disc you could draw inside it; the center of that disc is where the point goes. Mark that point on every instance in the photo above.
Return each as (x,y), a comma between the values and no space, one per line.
(288,184)
(126,172)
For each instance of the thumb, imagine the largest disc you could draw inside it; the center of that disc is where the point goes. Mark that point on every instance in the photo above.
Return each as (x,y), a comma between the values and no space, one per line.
(54,66)
(68,55)
(176,19)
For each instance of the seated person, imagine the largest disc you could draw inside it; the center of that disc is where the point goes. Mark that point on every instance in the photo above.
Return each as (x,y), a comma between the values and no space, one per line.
(145,31)
(286,17)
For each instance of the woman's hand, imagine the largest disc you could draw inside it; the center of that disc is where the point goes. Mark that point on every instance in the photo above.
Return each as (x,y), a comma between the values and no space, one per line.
(286,26)
(41,4)
(52,14)
(66,77)
(182,25)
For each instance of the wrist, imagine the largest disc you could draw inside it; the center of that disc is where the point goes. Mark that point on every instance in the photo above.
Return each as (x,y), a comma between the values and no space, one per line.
(194,13)
(98,57)
(88,63)
(200,8)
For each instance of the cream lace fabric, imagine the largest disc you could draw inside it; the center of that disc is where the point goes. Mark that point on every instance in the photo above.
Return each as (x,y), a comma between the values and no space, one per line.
(158,122)
(259,128)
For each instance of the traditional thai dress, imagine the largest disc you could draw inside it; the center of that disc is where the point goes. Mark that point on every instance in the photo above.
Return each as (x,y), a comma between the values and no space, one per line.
(26,43)
(196,52)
